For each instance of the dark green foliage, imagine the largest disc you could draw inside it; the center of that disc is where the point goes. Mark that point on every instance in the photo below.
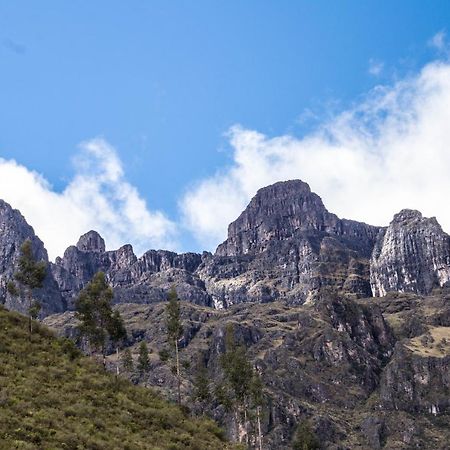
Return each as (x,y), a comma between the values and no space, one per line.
(69,348)
(116,328)
(127,360)
(93,310)
(202,391)
(305,438)
(236,366)
(51,400)
(242,389)
(12,288)
(164,355)
(31,273)
(174,331)
(256,390)
(143,362)
(29,276)
(98,322)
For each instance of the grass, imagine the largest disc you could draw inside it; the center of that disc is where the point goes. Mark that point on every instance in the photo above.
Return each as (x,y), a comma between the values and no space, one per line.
(51,397)
(435,343)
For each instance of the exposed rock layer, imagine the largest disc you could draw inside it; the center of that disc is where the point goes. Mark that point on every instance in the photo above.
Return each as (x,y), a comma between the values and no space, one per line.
(411,255)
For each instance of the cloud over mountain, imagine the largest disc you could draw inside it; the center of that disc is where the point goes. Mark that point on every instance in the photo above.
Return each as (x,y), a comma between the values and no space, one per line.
(390,151)
(98,197)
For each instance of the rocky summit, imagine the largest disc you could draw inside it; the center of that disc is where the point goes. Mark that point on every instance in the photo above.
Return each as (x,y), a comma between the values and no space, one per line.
(347,324)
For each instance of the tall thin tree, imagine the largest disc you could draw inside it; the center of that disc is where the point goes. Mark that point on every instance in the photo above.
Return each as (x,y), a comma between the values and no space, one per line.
(118,334)
(174,331)
(94,311)
(143,362)
(29,276)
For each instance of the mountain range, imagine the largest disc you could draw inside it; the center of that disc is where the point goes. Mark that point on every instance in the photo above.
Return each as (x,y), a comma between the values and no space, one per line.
(348,324)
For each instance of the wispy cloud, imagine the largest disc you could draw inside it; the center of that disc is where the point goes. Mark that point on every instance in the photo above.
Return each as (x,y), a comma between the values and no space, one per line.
(389,152)
(98,197)
(439,41)
(375,67)
(13,46)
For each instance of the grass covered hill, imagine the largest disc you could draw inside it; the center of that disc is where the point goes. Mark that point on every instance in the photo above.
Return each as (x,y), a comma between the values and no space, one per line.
(52,397)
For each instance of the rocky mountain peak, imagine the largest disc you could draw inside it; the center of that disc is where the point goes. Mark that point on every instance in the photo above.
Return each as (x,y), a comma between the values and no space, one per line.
(276,212)
(412,217)
(91,242)
(411,255)
(14,231)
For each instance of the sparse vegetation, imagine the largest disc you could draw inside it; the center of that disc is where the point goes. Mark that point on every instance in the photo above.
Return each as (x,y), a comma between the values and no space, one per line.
(174,332)
(53,398)
(29,276)
(305,438)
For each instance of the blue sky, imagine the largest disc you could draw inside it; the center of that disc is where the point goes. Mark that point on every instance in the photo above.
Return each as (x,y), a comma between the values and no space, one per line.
(162,83)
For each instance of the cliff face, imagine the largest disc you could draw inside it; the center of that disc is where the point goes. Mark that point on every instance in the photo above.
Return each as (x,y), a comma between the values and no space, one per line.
(287,245)
(365,374)
(296,282)
(14,231)
(284,211)
(138,280)
(411,255)
(284,245)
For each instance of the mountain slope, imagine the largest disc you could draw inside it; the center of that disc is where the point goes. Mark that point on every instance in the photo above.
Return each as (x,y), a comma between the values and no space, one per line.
(367,373)
(52,397)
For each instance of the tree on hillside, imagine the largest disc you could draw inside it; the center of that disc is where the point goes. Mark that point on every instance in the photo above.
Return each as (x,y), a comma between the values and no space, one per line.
(241,384)
(29,276)
(143,362)
(98,323)
(257,401)
(305,438)
(202,392)
(118,334)
(127,360)
(174,332)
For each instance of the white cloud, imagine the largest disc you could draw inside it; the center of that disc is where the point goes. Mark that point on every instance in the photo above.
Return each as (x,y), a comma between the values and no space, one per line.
(439,41)
(389,152)
(375,67)
(98,197)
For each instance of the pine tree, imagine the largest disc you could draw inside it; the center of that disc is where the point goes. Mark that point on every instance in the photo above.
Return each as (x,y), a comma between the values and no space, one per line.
(127,360)
(117,334)
(257,398)
(305,438)
(174,331)
(239,378)
(29,276)
(202,391)
(143,362)
(94,311)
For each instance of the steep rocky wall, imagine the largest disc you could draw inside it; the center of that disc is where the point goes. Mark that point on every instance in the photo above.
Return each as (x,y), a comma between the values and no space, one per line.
(14,231)
(411,255)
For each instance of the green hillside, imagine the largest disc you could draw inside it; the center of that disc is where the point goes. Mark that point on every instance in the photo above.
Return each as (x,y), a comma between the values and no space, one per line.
(51,397)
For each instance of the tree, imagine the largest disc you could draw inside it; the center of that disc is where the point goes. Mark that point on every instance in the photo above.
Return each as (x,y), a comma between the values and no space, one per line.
(94,311)
(174,331)
(143,362)
(29,276)
(127,360)
(257,398)
(201,384)
(242,383)
(305,438)
(117,334)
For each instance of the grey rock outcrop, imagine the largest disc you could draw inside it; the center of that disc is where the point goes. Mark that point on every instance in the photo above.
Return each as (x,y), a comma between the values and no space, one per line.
(286,245)
(14,231)
(138,280)
(411,255)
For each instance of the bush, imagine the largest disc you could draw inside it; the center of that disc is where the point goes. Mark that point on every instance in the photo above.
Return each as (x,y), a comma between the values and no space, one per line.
(305,438)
